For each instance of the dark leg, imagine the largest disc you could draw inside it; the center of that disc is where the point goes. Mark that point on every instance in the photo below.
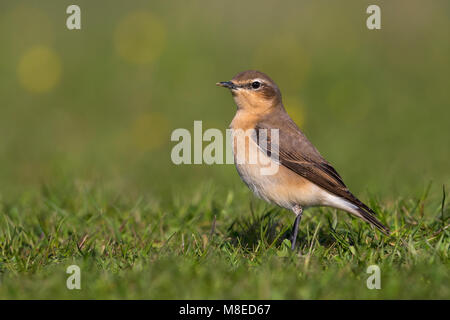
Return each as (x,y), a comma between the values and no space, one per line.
(298,213)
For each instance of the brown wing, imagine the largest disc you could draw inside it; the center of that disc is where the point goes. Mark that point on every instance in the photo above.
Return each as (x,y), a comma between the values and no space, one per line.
(298,154)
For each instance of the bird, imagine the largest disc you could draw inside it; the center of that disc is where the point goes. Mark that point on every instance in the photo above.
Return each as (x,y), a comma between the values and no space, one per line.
(303,177)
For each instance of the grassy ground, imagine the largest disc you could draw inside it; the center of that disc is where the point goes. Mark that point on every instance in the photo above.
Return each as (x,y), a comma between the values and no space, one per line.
(86,175)
(215,245)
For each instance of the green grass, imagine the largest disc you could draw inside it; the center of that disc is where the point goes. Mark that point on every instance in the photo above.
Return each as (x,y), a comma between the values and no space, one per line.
(374,103)
(211,244)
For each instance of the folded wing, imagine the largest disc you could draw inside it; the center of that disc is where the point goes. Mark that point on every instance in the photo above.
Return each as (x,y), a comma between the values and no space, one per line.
(297,153)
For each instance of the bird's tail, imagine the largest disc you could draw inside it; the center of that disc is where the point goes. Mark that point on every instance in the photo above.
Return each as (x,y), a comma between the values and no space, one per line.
(374,221)
(348,202)
(368,215)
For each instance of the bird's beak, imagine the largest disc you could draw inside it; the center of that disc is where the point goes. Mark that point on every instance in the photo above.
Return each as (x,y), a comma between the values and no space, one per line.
(227,84)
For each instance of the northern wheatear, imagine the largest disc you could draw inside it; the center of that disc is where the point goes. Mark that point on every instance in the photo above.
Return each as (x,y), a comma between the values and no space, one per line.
(304,178)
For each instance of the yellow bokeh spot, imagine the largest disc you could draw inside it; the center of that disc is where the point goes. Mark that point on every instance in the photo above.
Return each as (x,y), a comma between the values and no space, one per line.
(140,37)
(295,110)
(149,131)
(39,69)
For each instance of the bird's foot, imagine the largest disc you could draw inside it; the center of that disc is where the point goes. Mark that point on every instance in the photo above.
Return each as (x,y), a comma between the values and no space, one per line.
(298,216)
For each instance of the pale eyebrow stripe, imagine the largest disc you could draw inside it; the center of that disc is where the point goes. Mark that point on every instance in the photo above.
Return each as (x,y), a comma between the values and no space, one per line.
(249,84)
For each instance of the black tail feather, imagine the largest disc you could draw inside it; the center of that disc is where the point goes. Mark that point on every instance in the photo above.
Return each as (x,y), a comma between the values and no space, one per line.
(368,216)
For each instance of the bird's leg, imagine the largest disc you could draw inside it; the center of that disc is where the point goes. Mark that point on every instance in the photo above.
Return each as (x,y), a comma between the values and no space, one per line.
(298,216)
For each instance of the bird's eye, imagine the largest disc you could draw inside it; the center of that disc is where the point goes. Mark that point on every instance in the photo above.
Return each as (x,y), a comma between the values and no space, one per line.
(256,84)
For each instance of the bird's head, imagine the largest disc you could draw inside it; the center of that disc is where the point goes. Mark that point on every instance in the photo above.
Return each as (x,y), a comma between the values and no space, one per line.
(253,91)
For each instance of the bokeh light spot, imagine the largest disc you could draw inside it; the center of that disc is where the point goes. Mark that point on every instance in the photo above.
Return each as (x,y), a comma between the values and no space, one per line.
(39,69)
(140,37)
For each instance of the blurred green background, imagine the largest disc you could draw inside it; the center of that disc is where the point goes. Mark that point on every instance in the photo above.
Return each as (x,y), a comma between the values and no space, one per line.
(99,104)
